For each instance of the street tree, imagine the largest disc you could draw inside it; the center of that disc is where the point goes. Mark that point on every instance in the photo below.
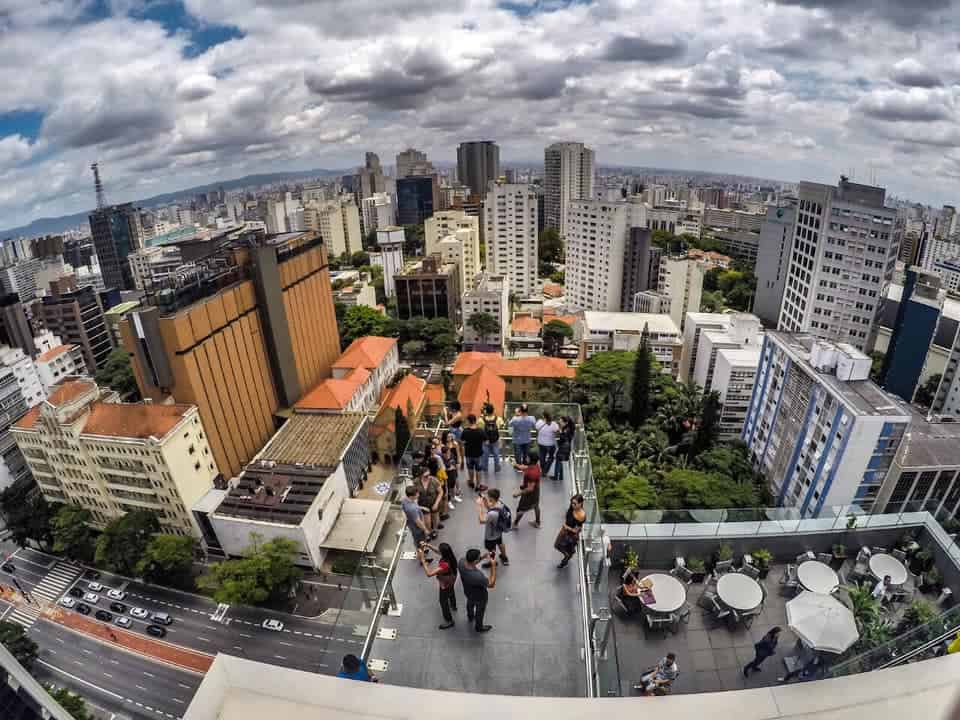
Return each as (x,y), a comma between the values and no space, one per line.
(75,705)
(360,321)
(484,324)
(413,348)
(640,385)
(14,638)
(26,513)
(266,571)
(708,427)
(359,259)
(555,334)
(604,377)
(168,560)
(550,246)
(117,374)
(444,346)
(124,541)
(71,531)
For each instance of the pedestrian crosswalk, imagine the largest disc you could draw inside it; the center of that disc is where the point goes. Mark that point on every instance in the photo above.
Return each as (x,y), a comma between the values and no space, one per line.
(49,590)
(25,615)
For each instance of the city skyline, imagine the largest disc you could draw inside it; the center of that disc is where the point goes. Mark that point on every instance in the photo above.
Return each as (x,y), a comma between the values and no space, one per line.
(175,94)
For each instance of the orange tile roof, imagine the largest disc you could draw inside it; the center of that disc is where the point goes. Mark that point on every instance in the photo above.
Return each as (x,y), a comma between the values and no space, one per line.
(526,324)
(29,420)
(333,393)
(366,352)
(535,367)
(130,420)
(483,386)
(410,389)
(435,397)
(53,352)
(69,390)
(552,289)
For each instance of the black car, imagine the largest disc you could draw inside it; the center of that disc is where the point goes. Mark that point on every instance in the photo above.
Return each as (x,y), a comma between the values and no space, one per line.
(8,567)
(82,609)
(118,607)
(103,615)
(91,575)
(75,592)
(156,631)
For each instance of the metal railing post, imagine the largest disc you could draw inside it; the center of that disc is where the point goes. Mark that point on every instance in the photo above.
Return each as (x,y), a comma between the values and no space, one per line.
(600,618)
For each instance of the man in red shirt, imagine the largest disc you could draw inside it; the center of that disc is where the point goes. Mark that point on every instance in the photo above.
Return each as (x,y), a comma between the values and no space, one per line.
(529,492)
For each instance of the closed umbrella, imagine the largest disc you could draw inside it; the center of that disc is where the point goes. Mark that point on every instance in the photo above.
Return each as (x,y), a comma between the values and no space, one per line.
(822,622)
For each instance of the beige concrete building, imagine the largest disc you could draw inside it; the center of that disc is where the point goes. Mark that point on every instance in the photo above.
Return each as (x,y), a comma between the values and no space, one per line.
(682,280)
(111,458)
(338,222)
(456,236)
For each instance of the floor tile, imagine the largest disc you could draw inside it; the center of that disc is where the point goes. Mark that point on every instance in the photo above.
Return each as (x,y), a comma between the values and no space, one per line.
(698,640)
(708,681)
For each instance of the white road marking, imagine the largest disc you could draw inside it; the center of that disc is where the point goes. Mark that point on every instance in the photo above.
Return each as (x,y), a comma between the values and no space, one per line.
(203,638)
(279,657)
(148,674)
(237,647)
(107,675)
(245,635)
(287,644)
(183,686)
(81,680)
(177,700)
(140,687)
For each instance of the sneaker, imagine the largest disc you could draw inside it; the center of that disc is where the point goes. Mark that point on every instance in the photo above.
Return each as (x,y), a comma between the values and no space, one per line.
(535,524)
(446,625)
(439,527)
(457,498)
(452,506)
(485,628)
(504,560)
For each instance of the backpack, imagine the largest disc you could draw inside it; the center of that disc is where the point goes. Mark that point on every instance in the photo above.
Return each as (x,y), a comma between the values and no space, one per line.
(504,519)
(491,430)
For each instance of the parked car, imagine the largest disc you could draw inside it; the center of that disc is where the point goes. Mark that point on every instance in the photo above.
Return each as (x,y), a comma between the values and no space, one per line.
(75,592)
(95,586)
(156,631)
(116,594)
(161,618)
(272,624)
(91,598)
(103,615)
(139,612)
(118,607)
(67,601)
(82,609)
(8,567)
(123,621)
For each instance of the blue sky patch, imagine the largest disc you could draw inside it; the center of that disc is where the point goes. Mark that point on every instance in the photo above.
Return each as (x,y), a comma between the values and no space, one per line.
(21,123)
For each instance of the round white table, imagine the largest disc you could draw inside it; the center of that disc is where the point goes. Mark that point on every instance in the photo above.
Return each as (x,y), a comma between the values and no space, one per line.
(882,565)
(739,591)
(669,592)
(817,577)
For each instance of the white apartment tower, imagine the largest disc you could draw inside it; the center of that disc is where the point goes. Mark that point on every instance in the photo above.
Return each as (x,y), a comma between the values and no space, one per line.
(596,232)
(568,170)
(510,230)
(682,280)
(844,252)
(379,211)
(491,295)
(338,222)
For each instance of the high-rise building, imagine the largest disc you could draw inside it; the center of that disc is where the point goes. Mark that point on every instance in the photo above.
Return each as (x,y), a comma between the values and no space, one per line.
(15,327)
(13,405)
(478,164)
(245,335)
(134,456)
(456,236)
(734,375)
(843,255)
(116,233)
(568,170)
(641,266)
(412,163)
(391,240)
(20,278)
(338,222)
(429,289)
(946,223)
(651,302)
(418,197)
(820,432)
(741,330)
(510,234)
(682,280)
(596,235)
(773,261)
(76,316)
(696,323)
(372,180)
(276,216)
(491,295)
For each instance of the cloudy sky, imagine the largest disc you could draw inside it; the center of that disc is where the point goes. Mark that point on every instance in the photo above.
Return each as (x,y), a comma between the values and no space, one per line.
(168,94)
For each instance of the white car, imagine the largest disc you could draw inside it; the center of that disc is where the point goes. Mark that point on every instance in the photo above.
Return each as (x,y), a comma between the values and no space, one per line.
(95,586)
(91,598)
(116,594)
(122,621)
(272,625)
(139,612)
(67,601)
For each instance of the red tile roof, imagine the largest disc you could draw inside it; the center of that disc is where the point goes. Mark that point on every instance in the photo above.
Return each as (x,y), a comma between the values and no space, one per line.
(53,352)
(525,324)
(552,289)
(29,420)
(69,390)
(366,352)
(333,393)
(133,420)
(483,386)
(410,389)
(535,367)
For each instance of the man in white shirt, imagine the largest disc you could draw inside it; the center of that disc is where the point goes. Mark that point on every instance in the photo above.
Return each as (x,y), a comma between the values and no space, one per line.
(547,431)
(663,673)
(881,589)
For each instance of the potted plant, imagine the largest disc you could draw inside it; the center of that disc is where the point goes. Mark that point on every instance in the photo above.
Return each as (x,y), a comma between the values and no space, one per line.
(921,561)
(852,522)
(865,608)
(698,568)
(630,559)
(839,554)
(762,557)
(724,552)
(932,580)
(917,614)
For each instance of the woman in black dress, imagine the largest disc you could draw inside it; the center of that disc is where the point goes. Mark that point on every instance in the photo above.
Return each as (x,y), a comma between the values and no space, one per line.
(569,535)
(564,445)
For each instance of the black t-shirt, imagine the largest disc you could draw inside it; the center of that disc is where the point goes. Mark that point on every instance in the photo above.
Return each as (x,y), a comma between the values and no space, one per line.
(472,439)
(474,581)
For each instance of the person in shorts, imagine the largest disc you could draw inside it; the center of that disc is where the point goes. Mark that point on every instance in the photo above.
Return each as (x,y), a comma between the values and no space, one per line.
(473,439)
(414,516)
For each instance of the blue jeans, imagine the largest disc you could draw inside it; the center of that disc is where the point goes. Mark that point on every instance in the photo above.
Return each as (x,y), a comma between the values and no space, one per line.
(520,452)
(491,448)
(547,453)
(558,476)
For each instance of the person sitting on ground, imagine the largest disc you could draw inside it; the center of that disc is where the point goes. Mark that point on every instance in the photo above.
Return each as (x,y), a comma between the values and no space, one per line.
(661,675)
(355,669)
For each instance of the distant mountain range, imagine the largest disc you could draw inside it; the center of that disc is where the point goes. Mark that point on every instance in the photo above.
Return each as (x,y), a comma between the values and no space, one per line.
(47,226)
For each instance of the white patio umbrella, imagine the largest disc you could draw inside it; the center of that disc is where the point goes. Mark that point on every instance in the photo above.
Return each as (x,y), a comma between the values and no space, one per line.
(822,622)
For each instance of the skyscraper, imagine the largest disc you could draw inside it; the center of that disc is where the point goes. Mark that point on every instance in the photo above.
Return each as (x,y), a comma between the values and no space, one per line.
(371,177)
(413,162)
(417,198)
(76,315)
(844,252)
(478,163)
(773,261)
(116,234)
(510,232)
(568,169)
(596,235)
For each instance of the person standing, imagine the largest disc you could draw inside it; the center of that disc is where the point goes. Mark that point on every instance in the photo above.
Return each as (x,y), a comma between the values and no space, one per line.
(569,535)
(547,431)
(564,445)
(414,516)
(529,492)
(452,462)
(446,574)
(521,426)
(453,417)
(763,649)
(430,497)
(476,587)
(473,439)
(491,443)
(489,512)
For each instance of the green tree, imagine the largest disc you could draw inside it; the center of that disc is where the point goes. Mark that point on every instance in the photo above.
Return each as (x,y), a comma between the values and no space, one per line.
(555,334)
(444,346)
(359,259)
(711,302)
(124,541)
(413,240)
(267,571)
(75,705)
(360,321)
(72,535)
(413,348)
(604,377)
(340,311)
(557,276)
(550,246)
(622,493)
(731,460)
(401,432)
(117,373)
(711,279)
(27,514)
(924,394)
(483,324)
(876,366)
(14,638)
(708,427)
(685,488)
(168,560)
(640,386)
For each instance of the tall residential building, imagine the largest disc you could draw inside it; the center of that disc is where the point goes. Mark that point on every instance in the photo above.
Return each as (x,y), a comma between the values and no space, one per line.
(372,180)
(641,266)
(818,430)
(111,458)
(378,212)
(596,235)
(20,279)
(116,233)
(76,316)
(55,364)
(338,222)
(418,197)
(734,375)
(491,295)
(15,328)
(696,323)
(429,289)
(13,405)
(276,216)
(568,170)
(454,233)
(390,240)
(682,280)
(843,256)
(411,162)
(252,329)
(742,330)
(773,261)
(478,164)
(26,371)
(510,234)
(946,223)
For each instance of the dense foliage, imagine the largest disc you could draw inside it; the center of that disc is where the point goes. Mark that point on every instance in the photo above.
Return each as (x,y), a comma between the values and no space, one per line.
(266,572)
(168,560)
(437,337)
(124,541)
(117,374)
(72,535)
(71,702)
(27,514)
(14,638)
(555,334)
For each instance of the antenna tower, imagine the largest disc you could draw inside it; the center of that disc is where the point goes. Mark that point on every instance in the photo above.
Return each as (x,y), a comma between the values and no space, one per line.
(98,187)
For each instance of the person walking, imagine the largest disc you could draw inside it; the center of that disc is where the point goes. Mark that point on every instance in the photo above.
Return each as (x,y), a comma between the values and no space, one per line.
(430,496)
(763,649)
(547,431)
(569,535)
(521,426)
(492,424)
(414,515)
(564,445)
(446,574)
(494,516)
(476,587)
(473,439)
(529,492)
